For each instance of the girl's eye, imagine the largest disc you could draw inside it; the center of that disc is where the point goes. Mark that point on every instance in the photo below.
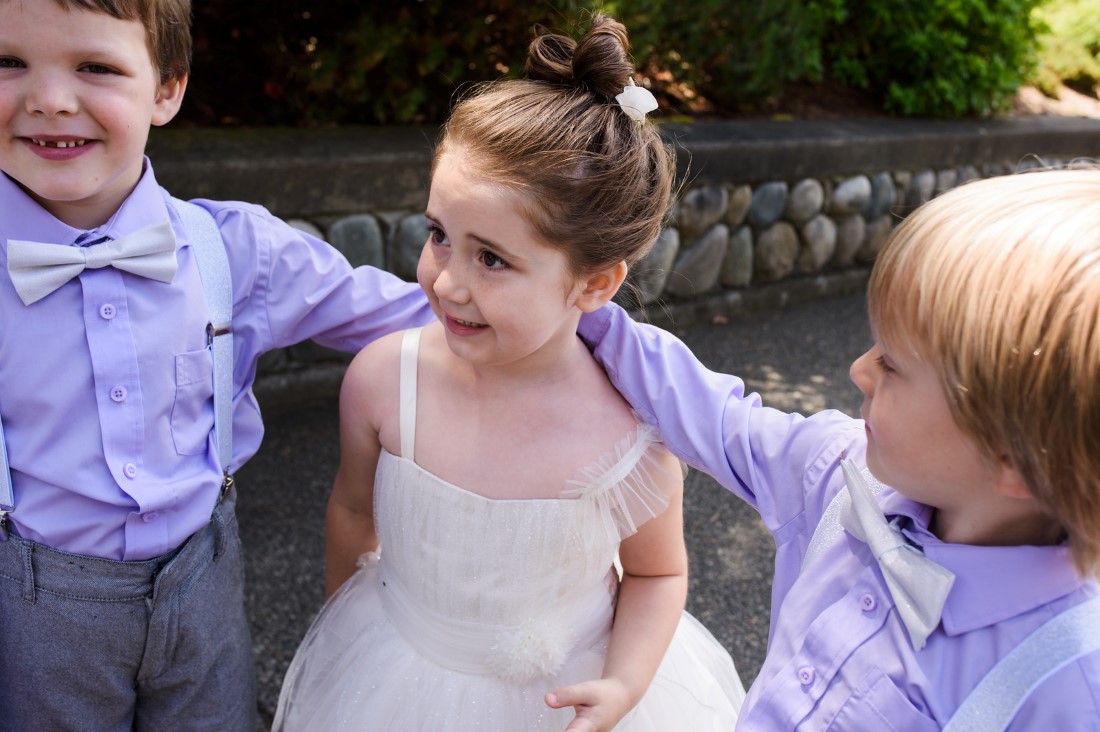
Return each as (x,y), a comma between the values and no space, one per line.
(491,260)
(886,368)
(436,235)
(7,62)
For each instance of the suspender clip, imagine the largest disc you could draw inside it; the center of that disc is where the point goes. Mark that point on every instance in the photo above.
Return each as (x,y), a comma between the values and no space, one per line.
(213,331)
(227,485)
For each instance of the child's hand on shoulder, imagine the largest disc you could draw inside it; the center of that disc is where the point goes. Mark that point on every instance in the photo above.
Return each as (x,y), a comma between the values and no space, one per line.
(599,704)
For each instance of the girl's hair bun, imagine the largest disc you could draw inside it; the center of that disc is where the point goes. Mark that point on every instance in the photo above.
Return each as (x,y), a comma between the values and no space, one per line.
(598,62)
(595,180)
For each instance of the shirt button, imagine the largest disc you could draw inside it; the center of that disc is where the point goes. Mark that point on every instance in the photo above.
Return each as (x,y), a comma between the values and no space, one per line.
(129,470)
(107,311)
(118,394)
(150,517)
(806,675)
(867,602)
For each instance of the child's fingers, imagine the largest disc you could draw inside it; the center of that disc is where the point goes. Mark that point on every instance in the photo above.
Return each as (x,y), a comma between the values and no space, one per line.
(571,696)
(581,724)
(584,698)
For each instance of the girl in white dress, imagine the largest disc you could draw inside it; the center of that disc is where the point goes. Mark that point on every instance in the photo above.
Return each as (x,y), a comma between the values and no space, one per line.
(490,475)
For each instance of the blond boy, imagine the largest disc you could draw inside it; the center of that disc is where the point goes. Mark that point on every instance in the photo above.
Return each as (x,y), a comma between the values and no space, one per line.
(981,416)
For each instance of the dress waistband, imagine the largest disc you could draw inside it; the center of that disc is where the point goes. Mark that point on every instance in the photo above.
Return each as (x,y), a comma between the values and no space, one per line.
(537,646)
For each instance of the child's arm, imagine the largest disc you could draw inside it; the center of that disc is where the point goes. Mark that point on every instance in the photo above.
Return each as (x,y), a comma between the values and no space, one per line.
(350,530)
(290,286)
(651,600)
(668,387)
(707,419)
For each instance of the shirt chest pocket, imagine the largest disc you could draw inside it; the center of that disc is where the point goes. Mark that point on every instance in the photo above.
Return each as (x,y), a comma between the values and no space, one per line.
(877,705)
(193,407)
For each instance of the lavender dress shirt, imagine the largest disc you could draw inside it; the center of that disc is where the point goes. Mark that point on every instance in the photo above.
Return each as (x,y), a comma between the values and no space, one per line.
(838,656)
(105,385)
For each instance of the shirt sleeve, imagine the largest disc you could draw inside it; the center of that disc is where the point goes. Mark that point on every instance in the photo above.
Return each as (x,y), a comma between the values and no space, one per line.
(290,286)
(767,457)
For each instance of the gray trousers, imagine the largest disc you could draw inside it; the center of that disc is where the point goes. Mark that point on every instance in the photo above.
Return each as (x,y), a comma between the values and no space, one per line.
(106,646)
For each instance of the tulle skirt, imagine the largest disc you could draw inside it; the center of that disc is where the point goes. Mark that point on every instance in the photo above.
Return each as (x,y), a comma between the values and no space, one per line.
(357,670)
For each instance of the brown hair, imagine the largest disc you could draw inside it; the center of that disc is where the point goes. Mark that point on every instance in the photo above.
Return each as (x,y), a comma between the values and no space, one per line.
(598,183)
(167,28)
(997,284)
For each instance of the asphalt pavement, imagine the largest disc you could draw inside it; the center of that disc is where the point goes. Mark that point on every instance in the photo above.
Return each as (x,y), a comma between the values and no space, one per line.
(796,358)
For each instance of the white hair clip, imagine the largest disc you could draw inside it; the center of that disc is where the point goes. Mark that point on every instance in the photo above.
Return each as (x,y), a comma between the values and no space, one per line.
(636,101)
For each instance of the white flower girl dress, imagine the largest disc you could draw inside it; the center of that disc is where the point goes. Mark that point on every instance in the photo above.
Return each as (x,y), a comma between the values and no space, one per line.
(477,607)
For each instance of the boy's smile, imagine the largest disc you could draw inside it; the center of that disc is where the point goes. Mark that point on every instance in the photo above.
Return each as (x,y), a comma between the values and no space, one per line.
(78,92)
(58,148)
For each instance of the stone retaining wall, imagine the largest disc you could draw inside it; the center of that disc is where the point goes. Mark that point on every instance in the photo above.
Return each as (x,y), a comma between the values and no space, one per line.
(768,211)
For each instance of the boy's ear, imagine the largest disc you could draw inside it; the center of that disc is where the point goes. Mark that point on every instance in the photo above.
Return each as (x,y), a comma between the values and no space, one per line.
(168,101)
(1009,481)
(597,288)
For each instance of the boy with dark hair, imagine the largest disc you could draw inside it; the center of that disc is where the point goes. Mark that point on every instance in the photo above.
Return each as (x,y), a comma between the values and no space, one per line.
(121,581)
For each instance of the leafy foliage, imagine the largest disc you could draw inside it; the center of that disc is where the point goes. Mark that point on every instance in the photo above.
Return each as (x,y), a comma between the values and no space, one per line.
(308,63)
(338,61)
(1070,46)
(736,53)
(401,62)
(1074,20)
(941,58)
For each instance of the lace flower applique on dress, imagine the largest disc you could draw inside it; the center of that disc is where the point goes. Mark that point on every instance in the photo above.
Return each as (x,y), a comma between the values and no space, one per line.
(623,484)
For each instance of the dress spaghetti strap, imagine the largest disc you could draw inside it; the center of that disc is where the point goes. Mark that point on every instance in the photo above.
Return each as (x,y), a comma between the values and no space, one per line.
(410,348)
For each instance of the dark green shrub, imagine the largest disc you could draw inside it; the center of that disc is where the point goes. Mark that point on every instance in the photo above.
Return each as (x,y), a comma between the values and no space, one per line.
(344,62)
(401,62)
(298,63)
(735,53)
(941,58)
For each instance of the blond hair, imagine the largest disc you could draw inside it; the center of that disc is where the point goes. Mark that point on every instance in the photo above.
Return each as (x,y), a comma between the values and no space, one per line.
(597,183)
(167,26)
(997,284)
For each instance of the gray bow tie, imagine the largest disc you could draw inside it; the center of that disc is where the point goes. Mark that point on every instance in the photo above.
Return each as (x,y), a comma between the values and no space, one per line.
(918,585)
(37,269)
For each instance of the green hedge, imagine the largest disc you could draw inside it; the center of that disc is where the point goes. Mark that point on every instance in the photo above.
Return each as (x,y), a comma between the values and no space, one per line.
(342,62)
(735,54)
(944,58)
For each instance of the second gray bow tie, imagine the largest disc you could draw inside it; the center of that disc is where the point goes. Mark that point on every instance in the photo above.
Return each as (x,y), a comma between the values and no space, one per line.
(37,269)
(918,585)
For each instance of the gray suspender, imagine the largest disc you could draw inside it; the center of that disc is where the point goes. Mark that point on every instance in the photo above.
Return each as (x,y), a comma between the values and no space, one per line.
(1063,639)
(213,263)
(206,242)
(7,496)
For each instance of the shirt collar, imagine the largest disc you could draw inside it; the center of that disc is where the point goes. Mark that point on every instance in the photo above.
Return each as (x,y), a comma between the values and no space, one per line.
(31,222)
(992,583)
(144,206)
